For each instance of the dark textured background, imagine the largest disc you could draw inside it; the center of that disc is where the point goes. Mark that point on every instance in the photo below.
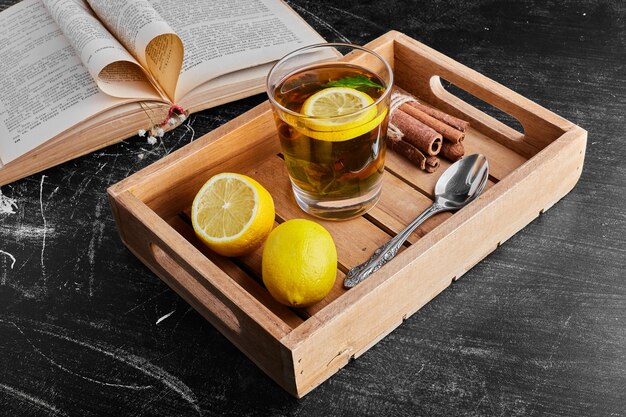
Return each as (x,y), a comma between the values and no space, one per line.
(537,328)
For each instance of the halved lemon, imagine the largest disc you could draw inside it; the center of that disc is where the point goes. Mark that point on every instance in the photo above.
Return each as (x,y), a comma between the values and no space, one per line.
(232,214)
(338,114)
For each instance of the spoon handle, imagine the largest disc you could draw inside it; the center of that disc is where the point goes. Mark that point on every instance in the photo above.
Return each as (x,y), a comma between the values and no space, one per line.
(387,251)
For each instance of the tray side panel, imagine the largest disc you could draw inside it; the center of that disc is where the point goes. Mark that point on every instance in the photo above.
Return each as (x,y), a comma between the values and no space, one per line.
(373,308)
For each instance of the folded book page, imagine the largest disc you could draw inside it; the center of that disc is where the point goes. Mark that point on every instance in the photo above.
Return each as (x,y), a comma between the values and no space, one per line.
(44,87)
(115,70)
(147,36)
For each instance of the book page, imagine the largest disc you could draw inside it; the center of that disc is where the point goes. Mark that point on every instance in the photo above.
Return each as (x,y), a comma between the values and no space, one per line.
(147,36)
(222,36)
(115,70)
(44,88)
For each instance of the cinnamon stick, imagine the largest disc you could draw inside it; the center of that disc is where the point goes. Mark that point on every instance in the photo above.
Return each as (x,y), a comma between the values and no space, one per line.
(446,130)
(417,133)
(452,151)
(407,150)
(414,155)
(432,163)
(450,120)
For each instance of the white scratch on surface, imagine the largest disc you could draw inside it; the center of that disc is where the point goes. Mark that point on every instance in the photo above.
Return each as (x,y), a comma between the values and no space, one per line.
(557,344)
(149,299)
(165,316)
(7,204)
(182,135)
(136,362)
(153,399)
(111,168)
(53,193)
(37,402)
(23,289)
(321,22)
(43,241)
(189,128)
(143,366)
(180,318)
(550,364)
(355,16)
(480,402)
(100,168)
(96,238)
(10,256)
(25,231)
(69,371)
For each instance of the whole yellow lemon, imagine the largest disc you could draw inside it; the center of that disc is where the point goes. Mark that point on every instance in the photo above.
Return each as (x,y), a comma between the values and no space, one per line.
(299,263)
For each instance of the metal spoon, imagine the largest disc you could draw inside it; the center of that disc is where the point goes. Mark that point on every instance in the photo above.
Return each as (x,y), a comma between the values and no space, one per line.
(457,187)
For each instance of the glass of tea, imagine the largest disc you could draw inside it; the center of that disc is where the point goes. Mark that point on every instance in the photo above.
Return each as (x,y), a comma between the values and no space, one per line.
(331,106)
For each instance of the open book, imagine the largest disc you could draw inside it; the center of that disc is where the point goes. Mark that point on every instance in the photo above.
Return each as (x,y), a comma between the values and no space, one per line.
(78,75)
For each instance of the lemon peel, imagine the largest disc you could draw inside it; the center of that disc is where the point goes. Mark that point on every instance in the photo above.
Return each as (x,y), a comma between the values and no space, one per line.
(299,263)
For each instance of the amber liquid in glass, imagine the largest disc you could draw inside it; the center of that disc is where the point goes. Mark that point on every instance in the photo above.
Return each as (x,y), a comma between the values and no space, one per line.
(326,169)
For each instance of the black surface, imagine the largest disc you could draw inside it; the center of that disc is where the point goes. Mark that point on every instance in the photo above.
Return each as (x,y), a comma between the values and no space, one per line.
(537,328)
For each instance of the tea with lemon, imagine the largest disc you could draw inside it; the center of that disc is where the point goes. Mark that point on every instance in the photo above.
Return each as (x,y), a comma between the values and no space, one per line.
(334,142)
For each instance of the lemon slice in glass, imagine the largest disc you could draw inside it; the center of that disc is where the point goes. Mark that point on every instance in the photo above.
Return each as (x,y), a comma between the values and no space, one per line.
(232,214)
(338,114)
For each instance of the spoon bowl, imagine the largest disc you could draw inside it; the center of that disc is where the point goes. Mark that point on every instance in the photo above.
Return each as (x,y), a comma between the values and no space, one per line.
(459,185)
(462,182)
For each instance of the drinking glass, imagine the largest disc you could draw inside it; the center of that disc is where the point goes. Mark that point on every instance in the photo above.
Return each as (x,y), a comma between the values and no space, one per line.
(331,106)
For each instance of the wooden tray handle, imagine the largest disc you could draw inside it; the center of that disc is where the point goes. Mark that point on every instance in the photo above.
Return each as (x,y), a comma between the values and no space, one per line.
(419,70)
(187,284)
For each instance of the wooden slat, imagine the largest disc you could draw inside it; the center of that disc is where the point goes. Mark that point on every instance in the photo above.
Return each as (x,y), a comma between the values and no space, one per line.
(420,180)
(252,261)
(355,239)
(399,204)
(502,160)
(184,171)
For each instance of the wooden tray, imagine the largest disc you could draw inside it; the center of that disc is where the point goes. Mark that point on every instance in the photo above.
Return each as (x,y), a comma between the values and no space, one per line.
(300,349)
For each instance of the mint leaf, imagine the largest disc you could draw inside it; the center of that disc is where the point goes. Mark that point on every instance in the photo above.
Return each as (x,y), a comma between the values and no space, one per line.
(357,82)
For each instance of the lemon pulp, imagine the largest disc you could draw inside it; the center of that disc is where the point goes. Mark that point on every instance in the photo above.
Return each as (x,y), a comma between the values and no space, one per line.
(338,114)
(232,214)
